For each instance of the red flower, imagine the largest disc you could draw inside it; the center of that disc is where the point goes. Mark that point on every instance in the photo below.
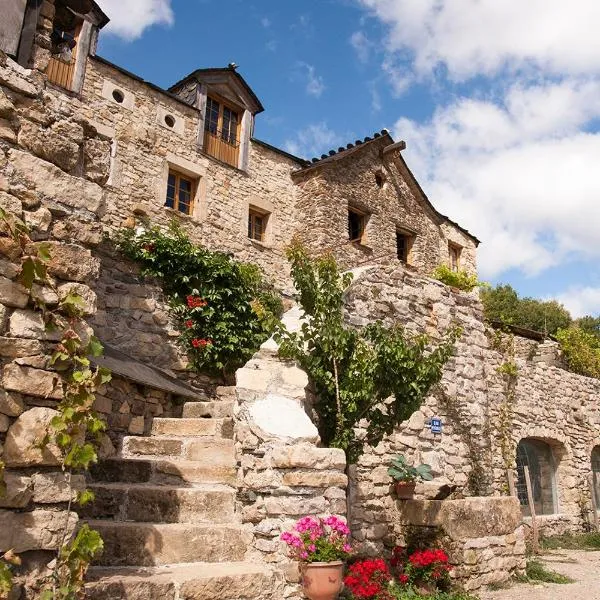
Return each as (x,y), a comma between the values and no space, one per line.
(403,579)
(148,247)
(201,343)
(189,323)
(368,579)
(195,302)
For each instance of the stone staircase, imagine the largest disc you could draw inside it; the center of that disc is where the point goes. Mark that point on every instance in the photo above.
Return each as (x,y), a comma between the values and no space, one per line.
(166,511)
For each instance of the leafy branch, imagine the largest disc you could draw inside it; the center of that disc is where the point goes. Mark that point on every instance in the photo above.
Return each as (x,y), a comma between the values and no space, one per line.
(377,374)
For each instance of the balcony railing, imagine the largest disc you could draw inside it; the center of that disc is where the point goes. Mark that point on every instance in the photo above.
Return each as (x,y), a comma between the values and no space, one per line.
(216,146)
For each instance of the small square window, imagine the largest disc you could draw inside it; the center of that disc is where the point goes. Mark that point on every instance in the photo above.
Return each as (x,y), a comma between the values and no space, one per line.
(257,224)
(403,245)
(180,192)
(454,253)
(357,222)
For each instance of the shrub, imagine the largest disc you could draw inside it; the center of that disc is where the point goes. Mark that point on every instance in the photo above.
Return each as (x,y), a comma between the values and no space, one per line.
(537,571)
(457,279)
(581,350)
(224,309)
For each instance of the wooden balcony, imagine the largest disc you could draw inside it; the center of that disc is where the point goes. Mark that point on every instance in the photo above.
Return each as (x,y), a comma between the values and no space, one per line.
(60,72)
(216,146)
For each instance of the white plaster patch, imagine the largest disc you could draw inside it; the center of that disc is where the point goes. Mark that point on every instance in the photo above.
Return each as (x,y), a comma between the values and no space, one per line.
(282,417)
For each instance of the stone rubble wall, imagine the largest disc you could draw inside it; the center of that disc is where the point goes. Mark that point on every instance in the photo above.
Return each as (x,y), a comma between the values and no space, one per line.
(483,537)
(284,474)
(551,404)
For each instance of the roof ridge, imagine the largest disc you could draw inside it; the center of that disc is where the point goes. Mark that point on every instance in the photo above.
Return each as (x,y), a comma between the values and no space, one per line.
(349,146)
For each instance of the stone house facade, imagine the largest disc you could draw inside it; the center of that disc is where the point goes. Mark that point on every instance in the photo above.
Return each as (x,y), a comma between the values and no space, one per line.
(87,148)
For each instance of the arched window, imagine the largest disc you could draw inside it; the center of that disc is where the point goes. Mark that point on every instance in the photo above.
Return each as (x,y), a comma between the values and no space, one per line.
(596,474)
(536,455)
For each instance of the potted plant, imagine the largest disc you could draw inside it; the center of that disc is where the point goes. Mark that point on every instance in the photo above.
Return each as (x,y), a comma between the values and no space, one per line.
(426,570)
(321,545)
(406,476)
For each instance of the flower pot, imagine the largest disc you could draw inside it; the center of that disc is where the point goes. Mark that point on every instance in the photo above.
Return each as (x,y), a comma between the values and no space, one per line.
(322,580)
(405,490)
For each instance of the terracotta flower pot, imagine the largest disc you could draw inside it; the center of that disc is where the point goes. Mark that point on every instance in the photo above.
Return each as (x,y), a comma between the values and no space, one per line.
(322,580)
(405,490)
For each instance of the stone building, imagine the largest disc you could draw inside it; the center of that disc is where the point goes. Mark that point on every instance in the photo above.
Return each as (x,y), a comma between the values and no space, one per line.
(87,148)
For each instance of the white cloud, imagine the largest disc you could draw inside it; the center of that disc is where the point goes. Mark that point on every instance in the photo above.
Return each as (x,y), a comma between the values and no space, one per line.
(313,140)
(265,22)
(518,172)
(314,83)
(581,301)
(362,46)
(130,18)
(471,37)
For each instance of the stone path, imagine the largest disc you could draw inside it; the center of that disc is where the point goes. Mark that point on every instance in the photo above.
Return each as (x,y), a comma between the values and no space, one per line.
(582,566)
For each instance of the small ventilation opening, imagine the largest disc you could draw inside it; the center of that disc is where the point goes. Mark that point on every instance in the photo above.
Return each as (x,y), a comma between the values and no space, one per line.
(379,179)
(170,121)
(118,96)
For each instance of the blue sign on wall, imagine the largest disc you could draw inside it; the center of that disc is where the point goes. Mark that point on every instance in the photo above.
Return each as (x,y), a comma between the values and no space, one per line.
(436,425)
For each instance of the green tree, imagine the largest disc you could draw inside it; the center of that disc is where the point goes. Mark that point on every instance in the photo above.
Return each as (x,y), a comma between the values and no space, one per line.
(503,304)
(375,375)
(589,324)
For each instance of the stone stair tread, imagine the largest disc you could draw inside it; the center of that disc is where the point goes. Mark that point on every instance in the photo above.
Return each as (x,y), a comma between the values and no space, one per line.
(147,544)
(193,581)
(211,409)
(192,427)
(149,485)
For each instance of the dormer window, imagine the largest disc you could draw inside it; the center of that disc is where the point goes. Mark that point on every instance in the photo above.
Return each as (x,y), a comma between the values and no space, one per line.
(222,131)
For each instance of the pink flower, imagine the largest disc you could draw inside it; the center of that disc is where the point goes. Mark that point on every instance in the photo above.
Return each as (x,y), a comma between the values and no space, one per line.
(347,548)
(312,547)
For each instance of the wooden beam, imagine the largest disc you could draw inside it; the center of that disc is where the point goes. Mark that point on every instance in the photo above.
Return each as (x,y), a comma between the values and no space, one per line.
(535,541)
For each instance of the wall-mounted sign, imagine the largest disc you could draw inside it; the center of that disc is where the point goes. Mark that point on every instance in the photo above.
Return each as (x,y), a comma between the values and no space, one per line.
(436,425)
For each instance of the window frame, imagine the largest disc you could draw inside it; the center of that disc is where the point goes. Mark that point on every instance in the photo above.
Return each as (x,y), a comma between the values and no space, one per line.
(193,187)
(222,103)
(409,240)
(253,213)
(363,219)
(454,256)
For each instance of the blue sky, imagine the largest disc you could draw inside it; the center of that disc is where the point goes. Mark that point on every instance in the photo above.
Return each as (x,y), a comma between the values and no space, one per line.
(498,102)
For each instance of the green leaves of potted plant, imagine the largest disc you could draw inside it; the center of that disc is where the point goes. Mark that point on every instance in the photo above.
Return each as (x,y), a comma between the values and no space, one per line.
(406,476)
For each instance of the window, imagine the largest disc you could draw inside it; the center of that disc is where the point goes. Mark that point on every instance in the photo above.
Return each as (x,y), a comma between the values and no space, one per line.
(454,252)
(222,131)
(380,179)
(64,37)
(257,224)
(536,455)
(403,245)
(356,225)
(180,192)
(596,474)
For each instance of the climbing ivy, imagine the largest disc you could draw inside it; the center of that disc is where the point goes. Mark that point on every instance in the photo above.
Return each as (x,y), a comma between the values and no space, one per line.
(457,279)
(224,308)
(376,375)
(76,430)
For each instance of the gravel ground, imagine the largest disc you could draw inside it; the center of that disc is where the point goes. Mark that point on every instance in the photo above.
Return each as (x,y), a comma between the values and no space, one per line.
(583,567)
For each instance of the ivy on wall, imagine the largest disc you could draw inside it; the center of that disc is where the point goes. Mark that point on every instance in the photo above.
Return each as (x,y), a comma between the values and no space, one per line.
(458,279)
(224,308)
(76,430)
(377,374)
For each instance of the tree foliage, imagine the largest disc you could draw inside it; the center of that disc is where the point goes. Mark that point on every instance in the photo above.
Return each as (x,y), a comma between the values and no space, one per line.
(457,279)
(581,350)
(376,376)
(224,308)
(503,304)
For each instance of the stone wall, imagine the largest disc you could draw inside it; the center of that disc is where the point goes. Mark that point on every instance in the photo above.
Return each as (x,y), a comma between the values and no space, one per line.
(284,475)
(483,537)
(550,404)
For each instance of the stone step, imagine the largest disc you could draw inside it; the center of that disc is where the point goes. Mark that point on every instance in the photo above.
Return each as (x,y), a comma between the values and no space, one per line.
(226,392)
(217,409)
(159,471)
(161,504)
(208,451)
(196,581)
(221,428)
(153,544)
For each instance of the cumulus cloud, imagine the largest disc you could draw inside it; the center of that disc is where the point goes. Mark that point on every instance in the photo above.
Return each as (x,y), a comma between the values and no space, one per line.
(471,37)
(313,140)
(581,301)
(362,46)
(130,18)
(519,172)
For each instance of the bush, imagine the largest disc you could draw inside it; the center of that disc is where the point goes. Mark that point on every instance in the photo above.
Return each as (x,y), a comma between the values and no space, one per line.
(457,279)
(584,541)
(537,571)
(224,309)
(581,350)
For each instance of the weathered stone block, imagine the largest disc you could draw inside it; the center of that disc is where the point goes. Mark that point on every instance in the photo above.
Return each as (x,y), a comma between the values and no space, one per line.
(320,479)
(21,448)
(87,295)
(96,160)
(13,294)
(52,488)
(18,491)
(72,262)
(16,347)
(307,456)
(33,382)
(11,204)
(49,145)
(295,506)
(36,530)
(26,324)
(11,404)
(38,220)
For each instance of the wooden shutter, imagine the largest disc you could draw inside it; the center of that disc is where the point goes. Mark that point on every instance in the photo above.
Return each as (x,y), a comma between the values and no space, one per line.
(11,23)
